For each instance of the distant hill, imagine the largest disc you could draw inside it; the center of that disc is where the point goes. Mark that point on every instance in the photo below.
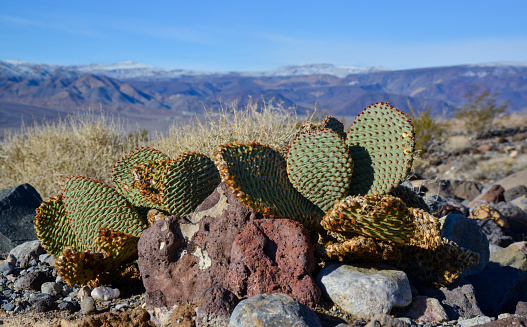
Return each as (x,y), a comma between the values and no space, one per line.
(133,89)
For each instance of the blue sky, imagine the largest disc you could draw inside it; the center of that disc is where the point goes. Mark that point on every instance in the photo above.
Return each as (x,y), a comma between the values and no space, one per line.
(261,35)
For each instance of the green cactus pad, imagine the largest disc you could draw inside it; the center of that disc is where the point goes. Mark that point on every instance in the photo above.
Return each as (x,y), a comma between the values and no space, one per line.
(122,177)
(384,218)
(257,175)
(333,124)
(319,167)
(381,143)
(91,205)
(53,228)
(187,181)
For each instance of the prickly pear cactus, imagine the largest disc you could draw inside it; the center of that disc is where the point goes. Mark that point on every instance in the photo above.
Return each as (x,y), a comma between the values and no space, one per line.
(91,205)
(256,174)
(319,167)
(123,178)
(381,143)
(333,124)
(384,218)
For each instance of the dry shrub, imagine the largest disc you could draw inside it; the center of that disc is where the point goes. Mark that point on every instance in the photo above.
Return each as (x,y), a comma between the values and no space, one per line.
(457,143)
(268,123)
(44,154)
(497,168)
(89,145)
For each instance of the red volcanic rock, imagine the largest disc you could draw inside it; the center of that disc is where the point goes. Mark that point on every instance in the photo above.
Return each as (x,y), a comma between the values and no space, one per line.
(274,256)
(494,194)
(180,258)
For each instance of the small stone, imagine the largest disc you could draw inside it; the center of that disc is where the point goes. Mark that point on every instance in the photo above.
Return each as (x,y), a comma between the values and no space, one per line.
(8,307)
(510,256)
(45,305)
(474,321)
(47,258)
(105,293)
(88,305)
(494,194)
(521,308)
(122,305)
(385,320)
(515,192)
(83,292)
(51,288)
(273,310)
(6,268)
(35,297)
(68,306)
(425,309)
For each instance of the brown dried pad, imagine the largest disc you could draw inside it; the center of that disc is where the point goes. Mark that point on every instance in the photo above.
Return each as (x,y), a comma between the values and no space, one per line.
(486,211)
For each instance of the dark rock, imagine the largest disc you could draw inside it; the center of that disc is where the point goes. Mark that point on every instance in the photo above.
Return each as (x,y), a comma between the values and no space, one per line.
(45,305)
(17,214)
(34,280)
(27,253)
(6,268)
(274,256)
(515,192)
(498,290)
(494,194)
(494,233)
(468,234)
(180,258)
(216,308)
(516,217)
(69,306)
(273,310)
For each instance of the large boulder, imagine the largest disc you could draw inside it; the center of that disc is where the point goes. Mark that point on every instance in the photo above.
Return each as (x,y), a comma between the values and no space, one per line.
(17,215)
(180,258)
(274,256)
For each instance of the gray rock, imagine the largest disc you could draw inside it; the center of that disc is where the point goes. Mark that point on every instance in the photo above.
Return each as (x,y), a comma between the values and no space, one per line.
(34,280)
(459,300)
(88,305)
(8,306)
(17,214)
(68,306)
(515,215)
(465,190)
(27,253)
(468,234)
(476,321)
(494,233)
(51,288)
(35,297)
(425,309)
(384,320)
(47,258)
(508,256)
(273,310)
(6,268)
(515,192)
(365,290)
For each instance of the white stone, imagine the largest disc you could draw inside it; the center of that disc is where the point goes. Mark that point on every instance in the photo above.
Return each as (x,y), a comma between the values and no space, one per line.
(474,321)
(105,293)
(366,290)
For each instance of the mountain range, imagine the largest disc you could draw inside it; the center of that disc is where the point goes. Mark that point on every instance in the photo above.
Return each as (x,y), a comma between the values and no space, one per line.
(145,93)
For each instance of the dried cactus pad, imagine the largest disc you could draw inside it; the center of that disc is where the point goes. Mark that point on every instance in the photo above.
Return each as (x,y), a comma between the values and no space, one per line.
(319,167)
(53,228)
(91,205)
(187,181)
(381,143)
(122,177)
(384,218)
(257,175)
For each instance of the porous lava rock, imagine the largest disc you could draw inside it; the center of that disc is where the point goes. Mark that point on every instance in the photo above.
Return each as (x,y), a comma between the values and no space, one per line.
(180,258)
(274,256)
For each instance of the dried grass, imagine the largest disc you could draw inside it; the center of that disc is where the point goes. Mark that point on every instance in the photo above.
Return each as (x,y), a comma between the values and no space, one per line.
(88,145)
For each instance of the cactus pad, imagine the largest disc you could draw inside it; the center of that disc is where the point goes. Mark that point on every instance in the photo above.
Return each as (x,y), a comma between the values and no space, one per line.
(410,198)
(256,174)
(188,181)
(123,179)
(53,228)
(333,124)
(384,218)
(361,248)
(381,143)
(319,167)
(90,205)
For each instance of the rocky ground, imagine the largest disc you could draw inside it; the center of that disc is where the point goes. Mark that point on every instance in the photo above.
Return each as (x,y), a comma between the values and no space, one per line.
(478,186)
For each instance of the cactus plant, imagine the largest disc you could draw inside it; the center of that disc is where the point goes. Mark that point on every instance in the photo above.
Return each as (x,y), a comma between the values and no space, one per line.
(381,143)
(256,174)
(318,165)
